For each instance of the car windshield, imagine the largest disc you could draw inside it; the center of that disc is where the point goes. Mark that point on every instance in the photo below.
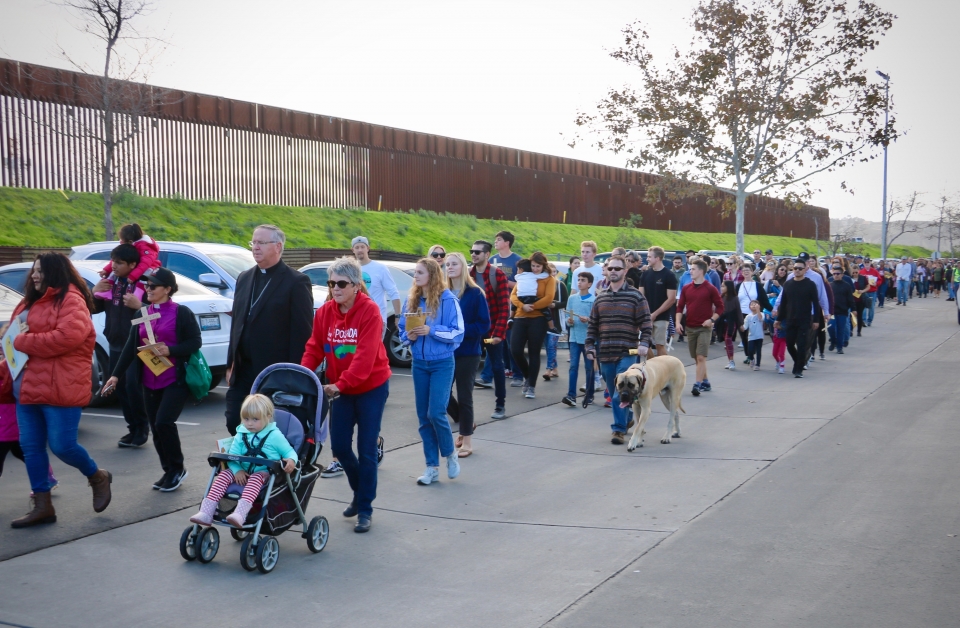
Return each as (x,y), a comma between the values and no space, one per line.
(403,279)
(190,288)
(233,263)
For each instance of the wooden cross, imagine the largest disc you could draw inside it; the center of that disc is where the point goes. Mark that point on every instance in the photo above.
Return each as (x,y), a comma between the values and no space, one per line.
(145,318)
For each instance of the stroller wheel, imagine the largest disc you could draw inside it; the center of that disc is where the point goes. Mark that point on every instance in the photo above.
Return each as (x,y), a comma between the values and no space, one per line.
(248,553)
(318,532)
(188,543)
(238,535)
(208,542)
(268,553)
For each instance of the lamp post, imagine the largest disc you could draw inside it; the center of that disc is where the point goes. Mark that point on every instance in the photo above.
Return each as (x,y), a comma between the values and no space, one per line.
(886,142)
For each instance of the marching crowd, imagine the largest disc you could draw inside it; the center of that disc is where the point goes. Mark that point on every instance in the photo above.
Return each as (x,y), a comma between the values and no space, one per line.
(496,303)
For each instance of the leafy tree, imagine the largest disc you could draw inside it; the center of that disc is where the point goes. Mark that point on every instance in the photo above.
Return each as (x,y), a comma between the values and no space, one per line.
(769,94)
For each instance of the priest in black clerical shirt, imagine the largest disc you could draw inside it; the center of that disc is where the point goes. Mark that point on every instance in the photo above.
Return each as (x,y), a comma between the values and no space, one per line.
(272,318)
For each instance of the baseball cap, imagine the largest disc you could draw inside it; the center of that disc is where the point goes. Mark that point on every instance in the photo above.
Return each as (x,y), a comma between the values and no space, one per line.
(903,257)
(768,252)
(162,277)
(359,240)
(804,257)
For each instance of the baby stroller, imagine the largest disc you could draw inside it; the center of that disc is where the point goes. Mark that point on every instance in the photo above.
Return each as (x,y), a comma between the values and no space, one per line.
(297,397)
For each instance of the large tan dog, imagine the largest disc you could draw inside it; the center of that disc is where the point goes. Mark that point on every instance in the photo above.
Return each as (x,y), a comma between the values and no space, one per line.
(640,383)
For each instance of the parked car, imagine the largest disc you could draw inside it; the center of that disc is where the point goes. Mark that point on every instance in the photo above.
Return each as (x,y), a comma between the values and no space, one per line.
(9,299)
(213,314)
(723,254)
(214,266)
(402,273)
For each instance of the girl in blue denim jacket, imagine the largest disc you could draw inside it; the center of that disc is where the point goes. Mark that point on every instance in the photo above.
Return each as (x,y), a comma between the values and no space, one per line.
(432,345)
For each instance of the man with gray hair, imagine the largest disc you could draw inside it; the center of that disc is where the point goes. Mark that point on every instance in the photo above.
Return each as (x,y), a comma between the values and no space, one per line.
(272,318)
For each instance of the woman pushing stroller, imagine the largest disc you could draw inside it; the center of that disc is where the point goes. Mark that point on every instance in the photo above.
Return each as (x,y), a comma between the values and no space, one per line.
(257,436)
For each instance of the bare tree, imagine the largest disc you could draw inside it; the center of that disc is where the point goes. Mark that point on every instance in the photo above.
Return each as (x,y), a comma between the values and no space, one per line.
(945,207)
(898,217)
(118,95)
(849,229)
(769,94)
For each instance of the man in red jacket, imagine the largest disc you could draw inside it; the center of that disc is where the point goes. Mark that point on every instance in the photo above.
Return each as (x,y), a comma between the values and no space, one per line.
(874,277)
(347,333)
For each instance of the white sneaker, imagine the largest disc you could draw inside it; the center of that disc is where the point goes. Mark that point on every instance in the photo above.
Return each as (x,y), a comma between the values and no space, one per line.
(333,470)
(530,393)
(431,475)
(732,366)
(780,369)
(453,465)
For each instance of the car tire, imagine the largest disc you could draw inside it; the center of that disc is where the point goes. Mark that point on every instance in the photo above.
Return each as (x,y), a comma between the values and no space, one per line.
(398,354)
(101,365)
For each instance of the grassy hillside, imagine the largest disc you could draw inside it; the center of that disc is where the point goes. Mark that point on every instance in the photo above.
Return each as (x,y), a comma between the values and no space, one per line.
(41,218)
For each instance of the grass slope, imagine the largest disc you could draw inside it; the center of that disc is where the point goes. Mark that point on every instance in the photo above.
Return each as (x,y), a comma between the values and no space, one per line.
(44,218)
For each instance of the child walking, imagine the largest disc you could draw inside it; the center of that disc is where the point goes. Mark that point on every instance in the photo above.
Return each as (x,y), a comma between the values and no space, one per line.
(258,436)
(149,255)
(779,336)
(578,315)
(753,325)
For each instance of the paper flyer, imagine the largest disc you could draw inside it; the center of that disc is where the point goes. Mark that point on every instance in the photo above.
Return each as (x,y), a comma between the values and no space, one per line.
(15,359)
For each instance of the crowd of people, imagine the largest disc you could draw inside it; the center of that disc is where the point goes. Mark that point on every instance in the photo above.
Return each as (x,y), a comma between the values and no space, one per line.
(501,305)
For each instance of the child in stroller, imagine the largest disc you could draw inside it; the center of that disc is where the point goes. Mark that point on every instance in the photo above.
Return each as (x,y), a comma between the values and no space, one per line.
(258,437)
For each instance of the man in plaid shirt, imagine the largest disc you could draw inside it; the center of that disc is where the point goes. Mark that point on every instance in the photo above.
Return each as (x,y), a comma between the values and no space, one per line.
(493,281)
(619,321)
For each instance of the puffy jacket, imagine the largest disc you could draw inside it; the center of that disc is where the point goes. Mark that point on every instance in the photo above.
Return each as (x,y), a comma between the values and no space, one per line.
(446,330)
(276,447)
(60,347)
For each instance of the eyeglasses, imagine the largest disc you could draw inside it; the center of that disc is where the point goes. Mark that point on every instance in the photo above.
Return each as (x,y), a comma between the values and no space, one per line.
(477,252)
(799,268)
(340,284)
(254,243)
(615,268)
(438,255)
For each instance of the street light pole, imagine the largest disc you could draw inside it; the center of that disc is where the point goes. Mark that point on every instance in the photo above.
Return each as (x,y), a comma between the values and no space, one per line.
(886,142)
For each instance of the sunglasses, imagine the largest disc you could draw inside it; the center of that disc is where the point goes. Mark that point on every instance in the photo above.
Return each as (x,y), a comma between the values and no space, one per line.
(339,284)
(477,252)
(151,286)
(796,268)
(837,273)
(615,268)
(438,255)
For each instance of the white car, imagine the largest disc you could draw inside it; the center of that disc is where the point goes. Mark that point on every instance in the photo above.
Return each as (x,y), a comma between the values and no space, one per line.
(214,266)
(402,273)
(213,314)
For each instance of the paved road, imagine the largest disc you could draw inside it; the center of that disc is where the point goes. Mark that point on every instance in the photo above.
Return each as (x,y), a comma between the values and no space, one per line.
(827,501)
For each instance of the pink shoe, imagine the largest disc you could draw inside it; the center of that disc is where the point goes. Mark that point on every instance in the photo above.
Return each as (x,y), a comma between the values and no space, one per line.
(205,516)
(239,516)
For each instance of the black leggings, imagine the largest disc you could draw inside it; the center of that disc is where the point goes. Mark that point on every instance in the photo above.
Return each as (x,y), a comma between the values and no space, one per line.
(860,307)
(528,332)
(461,408)
(9,446)
(163,409)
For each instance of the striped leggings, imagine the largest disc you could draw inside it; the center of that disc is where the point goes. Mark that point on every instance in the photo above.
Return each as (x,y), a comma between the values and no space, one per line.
(250,490)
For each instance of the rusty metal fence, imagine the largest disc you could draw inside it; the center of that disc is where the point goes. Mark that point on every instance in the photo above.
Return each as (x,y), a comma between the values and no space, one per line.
(205,147)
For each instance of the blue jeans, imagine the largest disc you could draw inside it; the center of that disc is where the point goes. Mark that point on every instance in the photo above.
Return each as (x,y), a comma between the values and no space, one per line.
(870,300)
(610,370)
(839,330)
(552,342)
(577,350)
(903,288)
(953,289)
(432,380)
(365,412)
(41,424)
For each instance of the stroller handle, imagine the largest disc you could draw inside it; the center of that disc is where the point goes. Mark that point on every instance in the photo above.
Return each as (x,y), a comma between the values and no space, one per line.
(274,466)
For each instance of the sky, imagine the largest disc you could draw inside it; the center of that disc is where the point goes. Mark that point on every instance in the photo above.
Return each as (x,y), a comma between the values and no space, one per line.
(508,73)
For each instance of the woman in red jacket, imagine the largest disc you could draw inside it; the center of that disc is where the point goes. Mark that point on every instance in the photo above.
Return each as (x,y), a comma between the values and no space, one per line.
(347,333)
(57,335)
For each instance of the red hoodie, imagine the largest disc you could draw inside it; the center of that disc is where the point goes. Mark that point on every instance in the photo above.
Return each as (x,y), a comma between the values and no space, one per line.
(352,344)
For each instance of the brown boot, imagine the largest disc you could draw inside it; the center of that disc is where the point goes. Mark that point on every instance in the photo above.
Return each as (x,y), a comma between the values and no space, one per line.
(100,482)
(42,512)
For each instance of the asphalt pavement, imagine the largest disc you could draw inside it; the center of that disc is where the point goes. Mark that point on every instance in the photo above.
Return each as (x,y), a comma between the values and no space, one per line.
(826,501)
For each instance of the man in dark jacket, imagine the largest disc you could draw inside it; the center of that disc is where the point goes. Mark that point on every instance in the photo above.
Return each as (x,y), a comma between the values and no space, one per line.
(843,302)
(122,306)
(798,311)
(272,318)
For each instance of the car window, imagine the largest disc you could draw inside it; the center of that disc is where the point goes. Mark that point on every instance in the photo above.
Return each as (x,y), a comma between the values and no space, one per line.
(15,278)
(8,302)
(185,287)
(187,265)
(318,276)
(104,255)
(234,263)
(402,279)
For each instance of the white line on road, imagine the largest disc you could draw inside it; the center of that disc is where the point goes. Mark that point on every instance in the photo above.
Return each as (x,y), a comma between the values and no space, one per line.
(109,416)
(402,374)
(186,423)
